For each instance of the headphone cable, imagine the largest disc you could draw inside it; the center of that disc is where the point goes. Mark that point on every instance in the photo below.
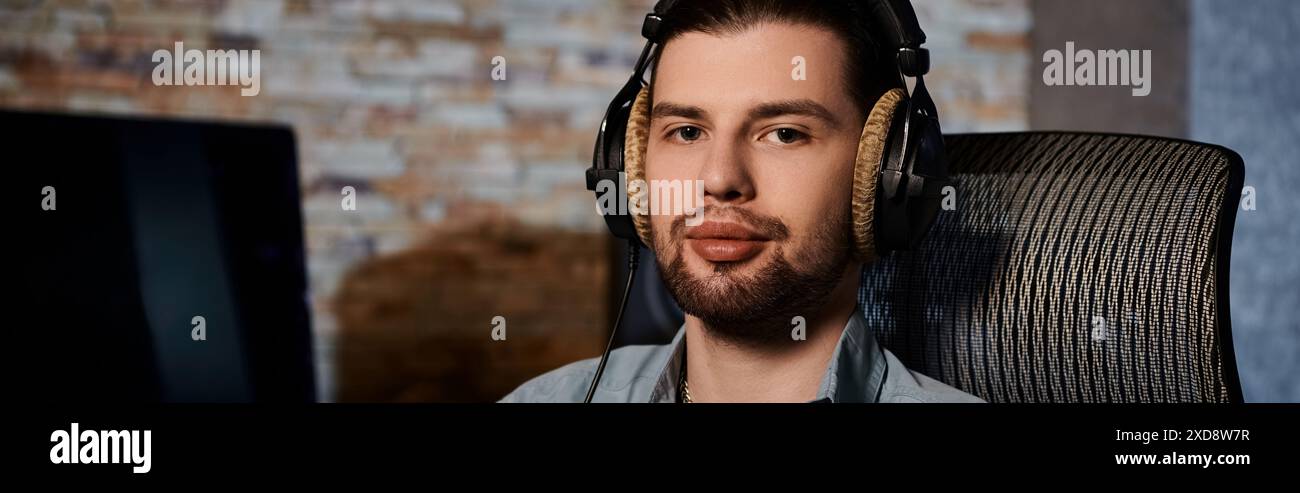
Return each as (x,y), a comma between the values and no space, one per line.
(633,259)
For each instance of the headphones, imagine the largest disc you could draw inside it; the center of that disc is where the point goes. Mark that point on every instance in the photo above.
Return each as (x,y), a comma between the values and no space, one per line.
(899,173)
(900,170)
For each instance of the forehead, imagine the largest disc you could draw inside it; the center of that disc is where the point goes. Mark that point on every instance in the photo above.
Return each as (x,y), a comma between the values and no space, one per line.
(722,72)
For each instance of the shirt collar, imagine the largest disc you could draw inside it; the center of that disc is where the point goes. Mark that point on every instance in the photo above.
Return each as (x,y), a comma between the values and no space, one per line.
(856,372)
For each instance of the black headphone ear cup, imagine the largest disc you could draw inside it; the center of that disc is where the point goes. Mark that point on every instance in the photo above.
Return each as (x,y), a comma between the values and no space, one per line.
(634,146)
(866,172)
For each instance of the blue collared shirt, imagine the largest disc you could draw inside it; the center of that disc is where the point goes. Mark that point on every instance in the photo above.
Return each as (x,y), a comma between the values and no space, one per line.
(860,370)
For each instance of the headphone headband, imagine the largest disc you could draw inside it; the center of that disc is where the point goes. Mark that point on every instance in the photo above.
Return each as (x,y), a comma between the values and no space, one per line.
(896,22)
(893,20)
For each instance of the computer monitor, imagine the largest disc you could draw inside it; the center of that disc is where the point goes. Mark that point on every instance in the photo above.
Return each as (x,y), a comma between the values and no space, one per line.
(158,260)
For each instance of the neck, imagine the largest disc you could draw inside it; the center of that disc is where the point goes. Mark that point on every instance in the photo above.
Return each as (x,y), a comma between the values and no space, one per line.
(722,371)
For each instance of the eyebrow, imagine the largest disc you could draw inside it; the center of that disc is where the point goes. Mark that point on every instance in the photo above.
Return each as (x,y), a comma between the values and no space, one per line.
(802,107)
(666,109)
(772,109)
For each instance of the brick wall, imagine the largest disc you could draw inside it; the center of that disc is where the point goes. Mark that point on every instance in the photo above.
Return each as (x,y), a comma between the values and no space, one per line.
(470,199)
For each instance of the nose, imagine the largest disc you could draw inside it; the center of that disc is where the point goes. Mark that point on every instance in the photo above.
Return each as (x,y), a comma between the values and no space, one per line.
(727,177)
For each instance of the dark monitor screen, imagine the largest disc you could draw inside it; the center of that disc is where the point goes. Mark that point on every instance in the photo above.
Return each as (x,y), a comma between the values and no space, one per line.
(158,261)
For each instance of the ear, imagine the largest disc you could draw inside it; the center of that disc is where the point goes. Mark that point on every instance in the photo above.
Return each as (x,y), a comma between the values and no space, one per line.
(866,172)
(638,133)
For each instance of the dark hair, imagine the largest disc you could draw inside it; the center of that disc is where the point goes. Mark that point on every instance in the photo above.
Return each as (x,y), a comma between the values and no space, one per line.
(867,73)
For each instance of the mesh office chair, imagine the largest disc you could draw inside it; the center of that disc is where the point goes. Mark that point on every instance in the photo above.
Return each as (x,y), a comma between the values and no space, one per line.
(1075,267)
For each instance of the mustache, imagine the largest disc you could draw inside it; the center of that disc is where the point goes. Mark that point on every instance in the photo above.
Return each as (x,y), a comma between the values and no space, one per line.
(769,226)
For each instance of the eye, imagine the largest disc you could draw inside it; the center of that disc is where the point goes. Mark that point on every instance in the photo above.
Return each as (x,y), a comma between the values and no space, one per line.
(786,135)
(686,133)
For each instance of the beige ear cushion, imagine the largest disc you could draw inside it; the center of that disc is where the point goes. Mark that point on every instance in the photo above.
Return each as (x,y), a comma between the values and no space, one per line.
(866,168)
(638,132)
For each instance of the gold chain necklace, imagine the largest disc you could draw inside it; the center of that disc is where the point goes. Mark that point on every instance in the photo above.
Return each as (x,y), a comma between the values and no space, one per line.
(684,390)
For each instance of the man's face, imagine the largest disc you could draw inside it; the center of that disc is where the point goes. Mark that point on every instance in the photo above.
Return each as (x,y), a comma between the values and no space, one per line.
(775,154)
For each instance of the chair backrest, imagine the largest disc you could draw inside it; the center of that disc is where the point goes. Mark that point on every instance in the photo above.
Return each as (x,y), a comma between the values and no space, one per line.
(1070,267)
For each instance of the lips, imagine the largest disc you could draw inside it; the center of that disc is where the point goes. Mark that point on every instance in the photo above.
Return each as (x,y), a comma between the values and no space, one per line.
(725,242)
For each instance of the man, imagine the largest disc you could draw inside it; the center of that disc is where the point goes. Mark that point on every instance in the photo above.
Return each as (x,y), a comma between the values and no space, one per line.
(775,154)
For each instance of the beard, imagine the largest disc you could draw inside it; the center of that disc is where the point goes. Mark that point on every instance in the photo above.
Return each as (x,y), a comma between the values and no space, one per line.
(753,305)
